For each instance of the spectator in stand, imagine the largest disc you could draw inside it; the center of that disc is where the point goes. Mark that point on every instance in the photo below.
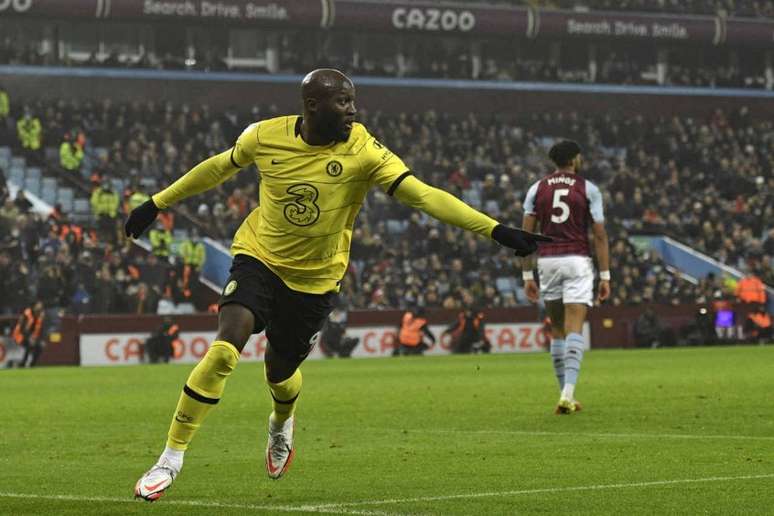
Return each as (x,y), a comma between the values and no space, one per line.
(21,202)
(14,281)
(4,192)
(193,254)
(70,153)
(142,300)
(9,213)
(715,174)
(104,207)
(5,110)
(105,291)
(30,133)
(134,197)
(161,240)
(192,251)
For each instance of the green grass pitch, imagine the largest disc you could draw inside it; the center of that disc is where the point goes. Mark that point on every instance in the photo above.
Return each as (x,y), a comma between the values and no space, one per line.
(678,431)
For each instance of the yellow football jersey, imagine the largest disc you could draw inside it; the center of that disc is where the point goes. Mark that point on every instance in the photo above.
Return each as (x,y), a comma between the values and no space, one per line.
(309,198)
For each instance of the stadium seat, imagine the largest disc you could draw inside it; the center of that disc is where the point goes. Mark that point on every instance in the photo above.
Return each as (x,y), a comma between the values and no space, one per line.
(65,194)
(47,183)
(117,185)
(32,185)
(505,284)
(51,155)
(67,205)
(48,195)
(5,152)
(185,308)
(81,206)
(16,176)
(148,183)
(17,161)
(34,172)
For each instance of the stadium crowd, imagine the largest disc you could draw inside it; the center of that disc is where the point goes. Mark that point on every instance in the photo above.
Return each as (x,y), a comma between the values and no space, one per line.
(715,177)
(495,60)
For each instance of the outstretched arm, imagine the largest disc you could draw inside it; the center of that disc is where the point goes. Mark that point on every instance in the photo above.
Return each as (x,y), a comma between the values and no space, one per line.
(443,206)
(204,176)
(447,208)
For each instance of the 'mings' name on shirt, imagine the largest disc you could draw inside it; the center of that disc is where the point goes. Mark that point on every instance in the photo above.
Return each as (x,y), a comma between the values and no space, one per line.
(563,179)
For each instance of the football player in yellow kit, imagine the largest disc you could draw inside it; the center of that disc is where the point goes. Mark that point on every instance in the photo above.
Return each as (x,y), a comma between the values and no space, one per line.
(292,252)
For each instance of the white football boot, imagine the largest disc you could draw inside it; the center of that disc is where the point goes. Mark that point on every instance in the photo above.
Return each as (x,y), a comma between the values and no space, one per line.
(155,481)
(279,449)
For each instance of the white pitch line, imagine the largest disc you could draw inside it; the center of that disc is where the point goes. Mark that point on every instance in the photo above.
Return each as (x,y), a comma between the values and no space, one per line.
(191,503)
(584,434)
(340,506)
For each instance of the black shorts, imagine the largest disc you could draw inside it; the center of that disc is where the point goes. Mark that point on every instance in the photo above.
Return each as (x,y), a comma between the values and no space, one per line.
(292,319)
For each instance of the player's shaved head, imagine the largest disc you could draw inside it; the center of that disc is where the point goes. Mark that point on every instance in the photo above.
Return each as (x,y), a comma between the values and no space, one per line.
(329,106)
(323,82)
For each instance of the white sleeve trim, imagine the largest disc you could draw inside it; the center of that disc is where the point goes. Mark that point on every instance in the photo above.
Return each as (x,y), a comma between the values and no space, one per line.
(529,200)
(595,202)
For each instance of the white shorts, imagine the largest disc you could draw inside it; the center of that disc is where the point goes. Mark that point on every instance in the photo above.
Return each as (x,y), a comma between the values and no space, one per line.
(569,278)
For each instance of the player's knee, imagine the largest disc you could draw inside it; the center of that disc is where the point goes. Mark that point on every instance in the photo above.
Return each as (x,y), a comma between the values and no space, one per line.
(223,357)
(235,325)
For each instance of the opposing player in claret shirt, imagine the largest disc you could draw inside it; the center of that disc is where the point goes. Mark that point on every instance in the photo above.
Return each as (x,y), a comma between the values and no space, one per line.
(291,254)
(564,204)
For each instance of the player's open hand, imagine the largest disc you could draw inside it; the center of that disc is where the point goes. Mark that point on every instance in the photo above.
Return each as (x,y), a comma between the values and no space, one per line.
(531,290)
(604,290)
(140,218)
(522,242)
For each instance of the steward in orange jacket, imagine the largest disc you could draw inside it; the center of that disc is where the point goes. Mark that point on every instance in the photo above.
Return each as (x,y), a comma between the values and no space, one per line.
(413,327)
(758,326)
(751,289)
(27,333)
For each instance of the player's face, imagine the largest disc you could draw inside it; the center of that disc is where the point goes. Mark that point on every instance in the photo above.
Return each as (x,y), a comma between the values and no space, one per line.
(337,113)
